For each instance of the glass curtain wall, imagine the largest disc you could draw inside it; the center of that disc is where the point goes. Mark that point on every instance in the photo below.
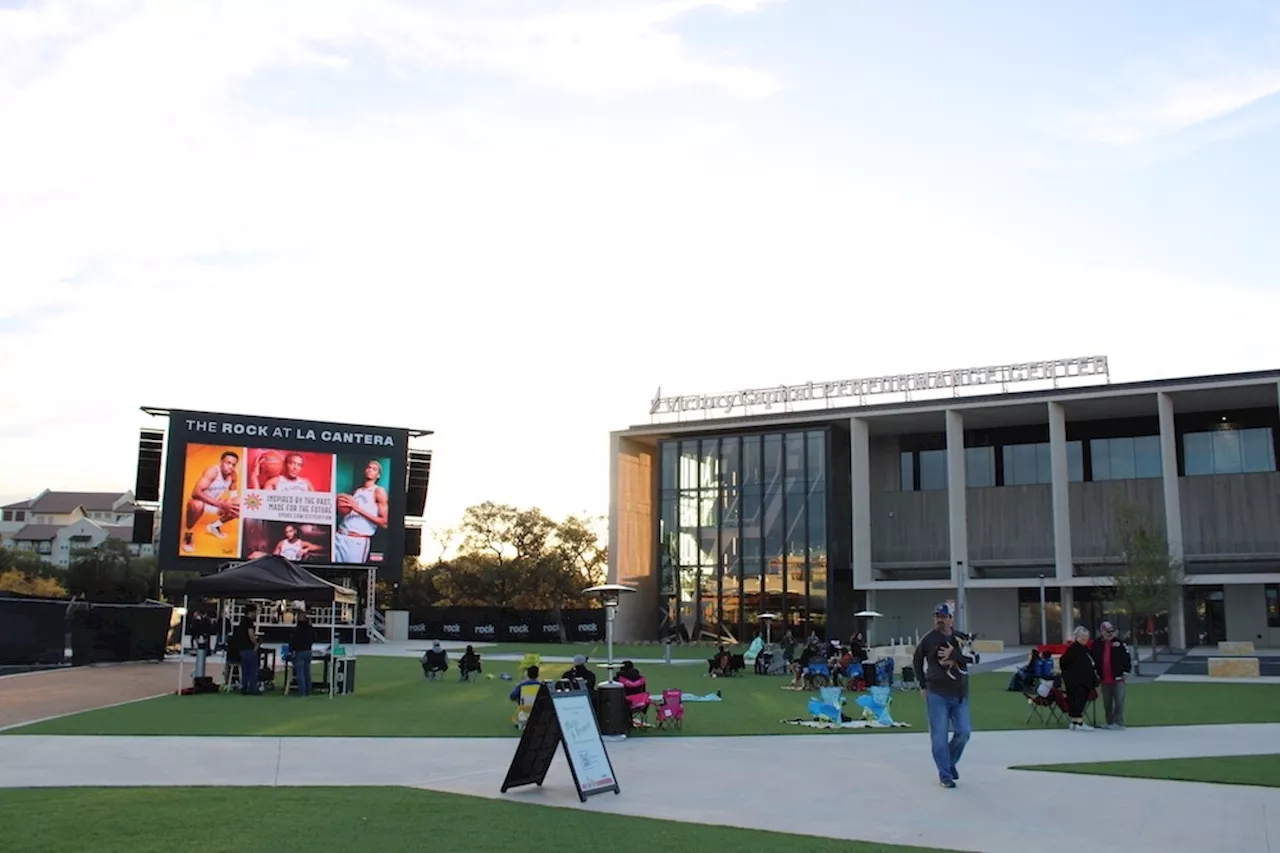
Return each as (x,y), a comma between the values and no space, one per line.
(743,531)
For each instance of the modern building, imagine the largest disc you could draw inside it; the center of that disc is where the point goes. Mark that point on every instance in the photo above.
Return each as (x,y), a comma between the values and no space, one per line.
(892,507)
(57,524)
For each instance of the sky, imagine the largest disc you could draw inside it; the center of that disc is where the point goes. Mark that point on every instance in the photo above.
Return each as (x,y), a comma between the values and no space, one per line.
(510,221)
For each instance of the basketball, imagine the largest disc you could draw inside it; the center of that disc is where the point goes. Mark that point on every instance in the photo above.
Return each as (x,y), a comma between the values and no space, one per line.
(270,464)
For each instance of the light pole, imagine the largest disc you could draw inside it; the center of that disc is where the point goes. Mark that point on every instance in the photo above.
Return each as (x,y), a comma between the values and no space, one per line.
(1044,618)
(767,619)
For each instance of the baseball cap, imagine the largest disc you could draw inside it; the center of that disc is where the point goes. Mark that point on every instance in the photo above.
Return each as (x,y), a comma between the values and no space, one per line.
(579,660)
(943,609)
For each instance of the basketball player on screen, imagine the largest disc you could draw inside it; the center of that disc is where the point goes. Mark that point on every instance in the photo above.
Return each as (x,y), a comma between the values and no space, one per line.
(364,511)
(292,548)
(213,494)
(289,480)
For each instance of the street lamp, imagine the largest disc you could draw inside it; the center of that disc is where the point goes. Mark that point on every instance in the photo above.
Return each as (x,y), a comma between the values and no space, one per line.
(609,594)
(767,619)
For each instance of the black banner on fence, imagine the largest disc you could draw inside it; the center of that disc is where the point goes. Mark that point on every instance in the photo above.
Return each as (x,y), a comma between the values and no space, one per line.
(32,631)
(119,632)
(505,625)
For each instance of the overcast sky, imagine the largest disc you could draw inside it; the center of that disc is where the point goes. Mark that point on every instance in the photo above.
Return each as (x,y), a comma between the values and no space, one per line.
(510,221)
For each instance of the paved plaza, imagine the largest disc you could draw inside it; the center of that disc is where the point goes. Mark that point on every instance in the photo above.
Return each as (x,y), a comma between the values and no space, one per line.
(874,787)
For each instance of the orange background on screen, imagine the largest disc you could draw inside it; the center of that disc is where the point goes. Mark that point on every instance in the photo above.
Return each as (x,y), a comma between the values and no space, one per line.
(200,458)
(316,467)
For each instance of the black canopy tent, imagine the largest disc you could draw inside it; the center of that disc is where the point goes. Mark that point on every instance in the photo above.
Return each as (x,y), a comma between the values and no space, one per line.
(269,577)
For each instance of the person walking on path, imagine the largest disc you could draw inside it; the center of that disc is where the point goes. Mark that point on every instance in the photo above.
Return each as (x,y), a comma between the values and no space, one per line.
(1114,663)
(942,669)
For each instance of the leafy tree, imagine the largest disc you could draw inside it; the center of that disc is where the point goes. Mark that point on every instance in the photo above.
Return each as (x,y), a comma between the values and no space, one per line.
(108,574)
(12,580)
(27,563)
(1151,578)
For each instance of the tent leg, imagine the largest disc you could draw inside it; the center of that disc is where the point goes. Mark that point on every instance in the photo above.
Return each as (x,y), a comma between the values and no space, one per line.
(182,643)
(333,645)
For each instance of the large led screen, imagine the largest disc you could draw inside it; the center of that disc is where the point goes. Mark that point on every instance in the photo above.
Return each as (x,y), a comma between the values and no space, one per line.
(323,494)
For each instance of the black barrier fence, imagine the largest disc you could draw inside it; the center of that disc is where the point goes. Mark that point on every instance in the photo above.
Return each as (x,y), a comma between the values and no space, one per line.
(505,625)
(33,632)
(119,632)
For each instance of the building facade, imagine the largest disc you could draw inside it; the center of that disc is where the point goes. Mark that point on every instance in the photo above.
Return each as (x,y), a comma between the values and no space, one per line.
(815,516)
(57,524)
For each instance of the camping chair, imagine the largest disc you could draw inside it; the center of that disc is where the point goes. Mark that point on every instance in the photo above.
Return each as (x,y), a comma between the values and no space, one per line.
(1048,704)
(637,692)
(817,674)
(529,660)
(670,713)
(826,706)
(524,706)
(737,664)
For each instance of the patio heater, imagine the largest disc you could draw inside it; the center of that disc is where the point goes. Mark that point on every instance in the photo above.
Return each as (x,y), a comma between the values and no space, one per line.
(869,616)
(767,619)
(612,710)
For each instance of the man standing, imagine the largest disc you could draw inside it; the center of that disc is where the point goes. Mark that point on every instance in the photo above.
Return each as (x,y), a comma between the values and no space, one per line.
(1111,656)
(244,644)
(944,680)
(304,637)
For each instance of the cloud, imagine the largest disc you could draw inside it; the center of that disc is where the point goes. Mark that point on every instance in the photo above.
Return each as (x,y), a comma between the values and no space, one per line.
(1160,108)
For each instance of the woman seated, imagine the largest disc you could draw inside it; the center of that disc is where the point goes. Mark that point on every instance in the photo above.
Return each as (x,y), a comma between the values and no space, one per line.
(468,664)
(720,663)
(635,687)
(858,647)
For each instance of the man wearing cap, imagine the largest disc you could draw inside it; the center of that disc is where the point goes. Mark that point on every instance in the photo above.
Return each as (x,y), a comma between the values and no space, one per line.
(941,667)
(1113,661)
(579,672)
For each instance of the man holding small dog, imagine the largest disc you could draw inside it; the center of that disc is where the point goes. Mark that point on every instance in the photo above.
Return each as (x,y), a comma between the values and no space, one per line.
(942,669)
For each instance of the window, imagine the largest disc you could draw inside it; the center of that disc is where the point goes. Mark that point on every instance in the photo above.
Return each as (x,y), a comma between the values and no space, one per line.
(979,467)
(933,470)
(1126,458)
(1228,451)
(907,471)
(1273,605)
(1032,464)
(15,515)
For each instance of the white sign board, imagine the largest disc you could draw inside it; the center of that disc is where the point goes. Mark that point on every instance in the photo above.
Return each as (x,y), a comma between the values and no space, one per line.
(582,741)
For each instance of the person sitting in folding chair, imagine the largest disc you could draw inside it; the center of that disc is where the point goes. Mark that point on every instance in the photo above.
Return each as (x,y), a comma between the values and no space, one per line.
(1079,677)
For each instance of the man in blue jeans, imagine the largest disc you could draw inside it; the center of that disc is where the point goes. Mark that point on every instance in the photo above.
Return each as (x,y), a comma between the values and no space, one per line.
(942,670)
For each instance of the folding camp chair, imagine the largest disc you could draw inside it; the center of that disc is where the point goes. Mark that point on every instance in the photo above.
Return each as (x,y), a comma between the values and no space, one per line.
(1048,709)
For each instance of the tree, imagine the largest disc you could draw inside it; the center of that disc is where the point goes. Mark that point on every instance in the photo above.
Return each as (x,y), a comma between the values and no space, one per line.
(108,574)
(27,563)
(1151,578)
(22,583)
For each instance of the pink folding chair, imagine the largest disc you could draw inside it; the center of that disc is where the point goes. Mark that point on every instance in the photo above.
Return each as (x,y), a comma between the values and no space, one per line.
(637,697)
(671,712)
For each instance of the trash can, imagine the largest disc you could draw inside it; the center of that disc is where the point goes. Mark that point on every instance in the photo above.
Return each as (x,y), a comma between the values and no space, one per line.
(612,710)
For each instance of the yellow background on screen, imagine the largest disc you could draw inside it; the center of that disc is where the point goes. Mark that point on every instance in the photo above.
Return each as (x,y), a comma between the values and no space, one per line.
(200,458)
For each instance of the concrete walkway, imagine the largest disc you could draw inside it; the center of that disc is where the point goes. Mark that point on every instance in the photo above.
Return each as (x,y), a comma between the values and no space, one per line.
(875,787)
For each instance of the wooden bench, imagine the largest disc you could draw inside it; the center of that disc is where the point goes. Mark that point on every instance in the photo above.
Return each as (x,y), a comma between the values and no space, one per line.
(1235,648)
(1239,667)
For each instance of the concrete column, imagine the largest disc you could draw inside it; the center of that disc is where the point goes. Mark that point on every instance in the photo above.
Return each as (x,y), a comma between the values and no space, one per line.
(1068,599)
(957,509)
(1060,472)
(1172,510)
(860,478)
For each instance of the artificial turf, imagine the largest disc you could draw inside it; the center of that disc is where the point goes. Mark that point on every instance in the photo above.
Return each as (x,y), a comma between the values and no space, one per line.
(393,700)
(1259,770)
(388,820)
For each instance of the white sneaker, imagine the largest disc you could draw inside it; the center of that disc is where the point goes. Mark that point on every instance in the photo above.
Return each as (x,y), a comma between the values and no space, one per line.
(216,530)
(1085,727)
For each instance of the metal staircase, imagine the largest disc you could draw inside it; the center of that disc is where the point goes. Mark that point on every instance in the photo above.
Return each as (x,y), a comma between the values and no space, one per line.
(373,618)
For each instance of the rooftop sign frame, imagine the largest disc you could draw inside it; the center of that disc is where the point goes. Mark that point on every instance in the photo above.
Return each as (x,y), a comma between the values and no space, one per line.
(810,396)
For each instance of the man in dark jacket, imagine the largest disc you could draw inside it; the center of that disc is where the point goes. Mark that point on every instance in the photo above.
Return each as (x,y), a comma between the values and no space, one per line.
(304,637)
(1113,662)
(944,680)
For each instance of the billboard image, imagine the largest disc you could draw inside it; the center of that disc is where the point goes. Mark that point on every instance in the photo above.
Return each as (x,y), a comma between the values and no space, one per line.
(241,487)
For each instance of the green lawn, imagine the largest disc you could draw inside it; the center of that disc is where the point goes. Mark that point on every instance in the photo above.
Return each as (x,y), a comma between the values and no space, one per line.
(1261,770)
(595,651)
(388,820)
(392,700)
